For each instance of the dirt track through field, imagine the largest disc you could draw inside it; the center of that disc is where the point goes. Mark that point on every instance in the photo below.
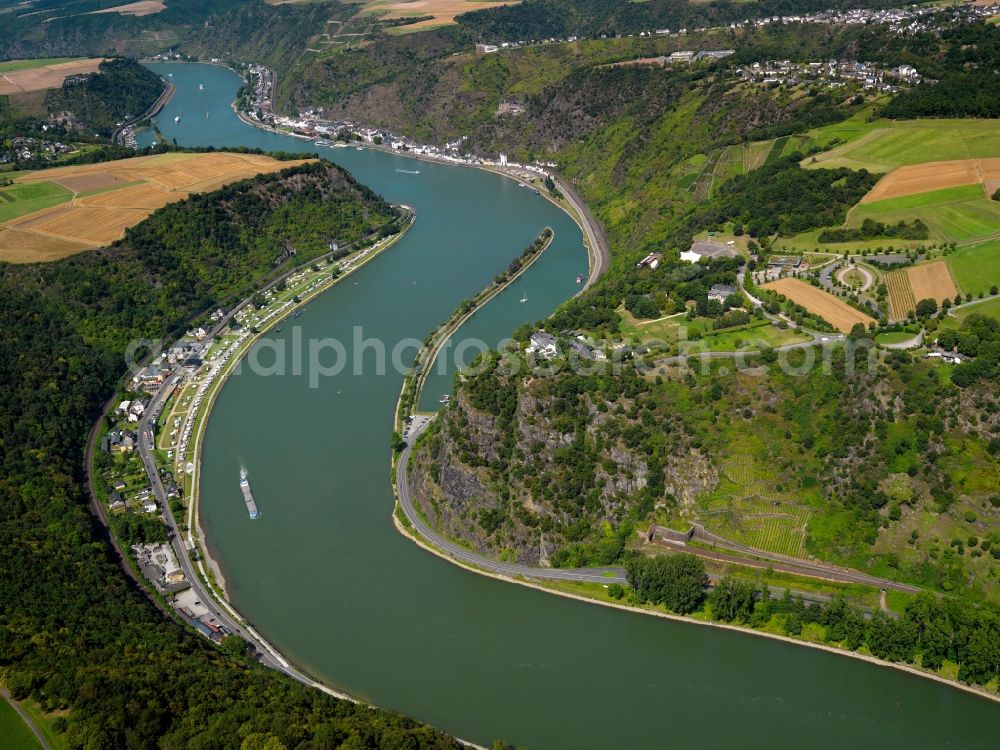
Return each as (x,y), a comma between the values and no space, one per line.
(838,314)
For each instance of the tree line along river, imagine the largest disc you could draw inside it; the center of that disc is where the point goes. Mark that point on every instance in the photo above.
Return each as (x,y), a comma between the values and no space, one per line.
(326,578)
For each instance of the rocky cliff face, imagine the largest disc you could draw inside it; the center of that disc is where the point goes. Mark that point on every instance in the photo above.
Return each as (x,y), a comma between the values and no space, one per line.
(544,473)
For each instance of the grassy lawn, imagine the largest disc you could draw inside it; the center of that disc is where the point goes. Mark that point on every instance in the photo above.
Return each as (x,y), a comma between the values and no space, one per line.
(44,722)
(754,336)
(10,66)
(976,268)
(990,307)
(18,200)
(882,145)
(896,337)
(807,241)
(14,733)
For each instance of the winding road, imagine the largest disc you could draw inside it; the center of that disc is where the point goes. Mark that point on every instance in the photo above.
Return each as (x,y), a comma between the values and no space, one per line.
(474,559)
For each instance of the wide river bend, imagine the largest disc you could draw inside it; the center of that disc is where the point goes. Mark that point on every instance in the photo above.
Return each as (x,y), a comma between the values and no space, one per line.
(327,579)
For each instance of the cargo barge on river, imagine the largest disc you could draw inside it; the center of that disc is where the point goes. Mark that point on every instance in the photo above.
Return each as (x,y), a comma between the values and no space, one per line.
(248,496)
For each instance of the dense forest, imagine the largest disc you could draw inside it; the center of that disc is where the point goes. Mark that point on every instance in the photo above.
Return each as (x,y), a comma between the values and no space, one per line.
(120,90)
(783,198)
(73,633)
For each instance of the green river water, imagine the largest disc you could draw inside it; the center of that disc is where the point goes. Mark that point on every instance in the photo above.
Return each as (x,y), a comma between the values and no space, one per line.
(328,580)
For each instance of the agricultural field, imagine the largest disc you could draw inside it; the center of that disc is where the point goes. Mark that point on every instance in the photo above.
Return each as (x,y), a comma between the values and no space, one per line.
(748,508)
(18,200)
(835,312)
(720,165)
(932,281)
(10,66)
(443,11)
(935,175)
(908,286)
(14,733)
(976,268)
(138,9)
(901,299)
(105,199)
(22,80)
(883,145)
(956,214)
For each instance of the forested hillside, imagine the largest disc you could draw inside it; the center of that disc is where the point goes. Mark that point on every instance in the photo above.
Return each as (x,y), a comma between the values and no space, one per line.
(121,89)
(241,30)
(541,19)
(73,633)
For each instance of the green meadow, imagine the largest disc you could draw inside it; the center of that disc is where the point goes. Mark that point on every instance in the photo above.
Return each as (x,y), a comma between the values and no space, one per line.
(18,200)
(14,733)
(9,66)
(958,214)
(882,145)
(976,268)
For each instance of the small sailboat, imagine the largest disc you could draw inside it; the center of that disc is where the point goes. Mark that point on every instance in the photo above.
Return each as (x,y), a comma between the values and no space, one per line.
(177,119)
(206,115)
(201,87)
(524,298)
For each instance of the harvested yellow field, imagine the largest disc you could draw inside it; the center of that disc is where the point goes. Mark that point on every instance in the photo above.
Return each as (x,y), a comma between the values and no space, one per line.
(127,192)
(839,314)
(89,225)
(443,11)
(17,246)
(935,175)
(932,281)
(140,8)
(45,77)
(144,195)
(901,300)
(910,285)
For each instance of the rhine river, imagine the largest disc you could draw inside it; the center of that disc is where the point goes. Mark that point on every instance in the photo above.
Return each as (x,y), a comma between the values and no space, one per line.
(327,579)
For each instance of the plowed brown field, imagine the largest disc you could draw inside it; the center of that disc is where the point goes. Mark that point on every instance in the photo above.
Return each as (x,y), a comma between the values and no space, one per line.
(835,312)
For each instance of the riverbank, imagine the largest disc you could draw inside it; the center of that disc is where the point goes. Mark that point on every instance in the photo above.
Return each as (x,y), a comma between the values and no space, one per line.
(595,239)
(422,363)
(549,588)
(201,418)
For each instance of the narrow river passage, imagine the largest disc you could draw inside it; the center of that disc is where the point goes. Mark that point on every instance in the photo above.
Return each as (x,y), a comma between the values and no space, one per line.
(328,580)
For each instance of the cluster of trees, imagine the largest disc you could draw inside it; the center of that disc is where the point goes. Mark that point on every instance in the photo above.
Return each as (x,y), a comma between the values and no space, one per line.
(119,90)
(930,631)
(871,229)
(978,337)
(649,293)
(74,634)
(677,581)
(782,198)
